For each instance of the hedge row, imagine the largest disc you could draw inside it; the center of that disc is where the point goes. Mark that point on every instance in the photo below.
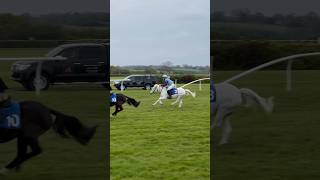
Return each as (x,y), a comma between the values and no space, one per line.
(188,78)
(247,54)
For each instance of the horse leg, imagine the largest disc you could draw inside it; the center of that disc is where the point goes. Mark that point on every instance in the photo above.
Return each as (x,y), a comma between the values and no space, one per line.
(156,102)
(219,116)
(176,101)
(160,102)
(22,151)
(35,148)
(181,102)
(226,132)
(116,111)
(120,109)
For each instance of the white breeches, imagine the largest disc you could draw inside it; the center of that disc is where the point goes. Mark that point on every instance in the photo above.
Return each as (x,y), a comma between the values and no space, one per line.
(170,87)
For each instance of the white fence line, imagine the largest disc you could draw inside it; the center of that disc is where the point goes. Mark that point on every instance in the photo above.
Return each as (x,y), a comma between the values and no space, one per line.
(289,67)
(199,80)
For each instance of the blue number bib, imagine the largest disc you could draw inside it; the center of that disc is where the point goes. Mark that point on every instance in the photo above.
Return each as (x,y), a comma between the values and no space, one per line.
(10,117)
(173,91)
(113,97)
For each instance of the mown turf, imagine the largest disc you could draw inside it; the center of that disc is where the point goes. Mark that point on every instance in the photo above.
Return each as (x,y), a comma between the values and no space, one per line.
(62,158)
(161,142)
(284,145)
(146,143)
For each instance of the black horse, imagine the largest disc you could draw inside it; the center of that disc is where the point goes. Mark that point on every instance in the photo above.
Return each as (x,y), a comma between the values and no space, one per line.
(3,86)
(36,119)
(121,99)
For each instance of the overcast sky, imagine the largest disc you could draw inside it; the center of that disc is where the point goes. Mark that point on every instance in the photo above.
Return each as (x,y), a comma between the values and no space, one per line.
(149,32)
(53,6)
(268,6)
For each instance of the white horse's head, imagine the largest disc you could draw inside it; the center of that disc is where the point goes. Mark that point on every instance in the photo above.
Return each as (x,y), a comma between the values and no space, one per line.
(156,89)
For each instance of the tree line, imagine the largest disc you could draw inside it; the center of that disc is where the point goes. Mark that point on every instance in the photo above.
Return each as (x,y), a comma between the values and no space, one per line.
(244,55)
(161,69)
(54,26)
(245,24)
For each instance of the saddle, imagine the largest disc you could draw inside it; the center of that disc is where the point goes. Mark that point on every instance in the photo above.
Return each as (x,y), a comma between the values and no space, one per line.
(113,97)
(173,91)
(10,116)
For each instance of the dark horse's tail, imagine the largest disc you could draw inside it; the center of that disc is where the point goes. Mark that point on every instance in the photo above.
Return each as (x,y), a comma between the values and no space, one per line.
(132,101)
(64,123)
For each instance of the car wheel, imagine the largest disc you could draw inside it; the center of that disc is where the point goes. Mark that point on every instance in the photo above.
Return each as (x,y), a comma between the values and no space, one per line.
(41,83)
(147,86)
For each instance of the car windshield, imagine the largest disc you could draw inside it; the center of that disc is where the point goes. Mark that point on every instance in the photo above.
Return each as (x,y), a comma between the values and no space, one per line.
(54,52)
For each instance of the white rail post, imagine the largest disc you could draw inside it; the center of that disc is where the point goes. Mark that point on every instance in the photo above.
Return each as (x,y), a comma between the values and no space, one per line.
(38,78)
(289,75)
(121,86)
(200,87)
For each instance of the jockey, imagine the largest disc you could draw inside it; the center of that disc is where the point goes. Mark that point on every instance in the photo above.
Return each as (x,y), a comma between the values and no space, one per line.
(168,83)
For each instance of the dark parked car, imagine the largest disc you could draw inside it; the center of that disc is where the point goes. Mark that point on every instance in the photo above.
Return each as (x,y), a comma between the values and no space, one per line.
(144,81)
(79,62)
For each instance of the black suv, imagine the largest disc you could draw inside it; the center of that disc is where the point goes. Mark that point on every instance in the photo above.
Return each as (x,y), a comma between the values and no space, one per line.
(144,81)
(79,62)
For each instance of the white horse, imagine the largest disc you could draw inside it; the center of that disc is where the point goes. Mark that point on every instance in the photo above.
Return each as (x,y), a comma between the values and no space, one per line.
(228,98)
(164,95)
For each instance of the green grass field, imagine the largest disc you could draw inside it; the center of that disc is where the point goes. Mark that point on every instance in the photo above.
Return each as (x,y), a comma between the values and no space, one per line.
(62,158)
(161,142)
(281,146)
(146,143)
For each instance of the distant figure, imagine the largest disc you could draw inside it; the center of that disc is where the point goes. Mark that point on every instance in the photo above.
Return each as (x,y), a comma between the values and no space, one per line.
(3,86)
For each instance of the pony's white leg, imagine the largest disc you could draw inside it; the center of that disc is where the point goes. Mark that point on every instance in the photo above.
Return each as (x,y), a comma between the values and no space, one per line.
(221,113)
(162,98)
(156,102)
(226,131)
(176,101)
(160,102)
(180,103)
